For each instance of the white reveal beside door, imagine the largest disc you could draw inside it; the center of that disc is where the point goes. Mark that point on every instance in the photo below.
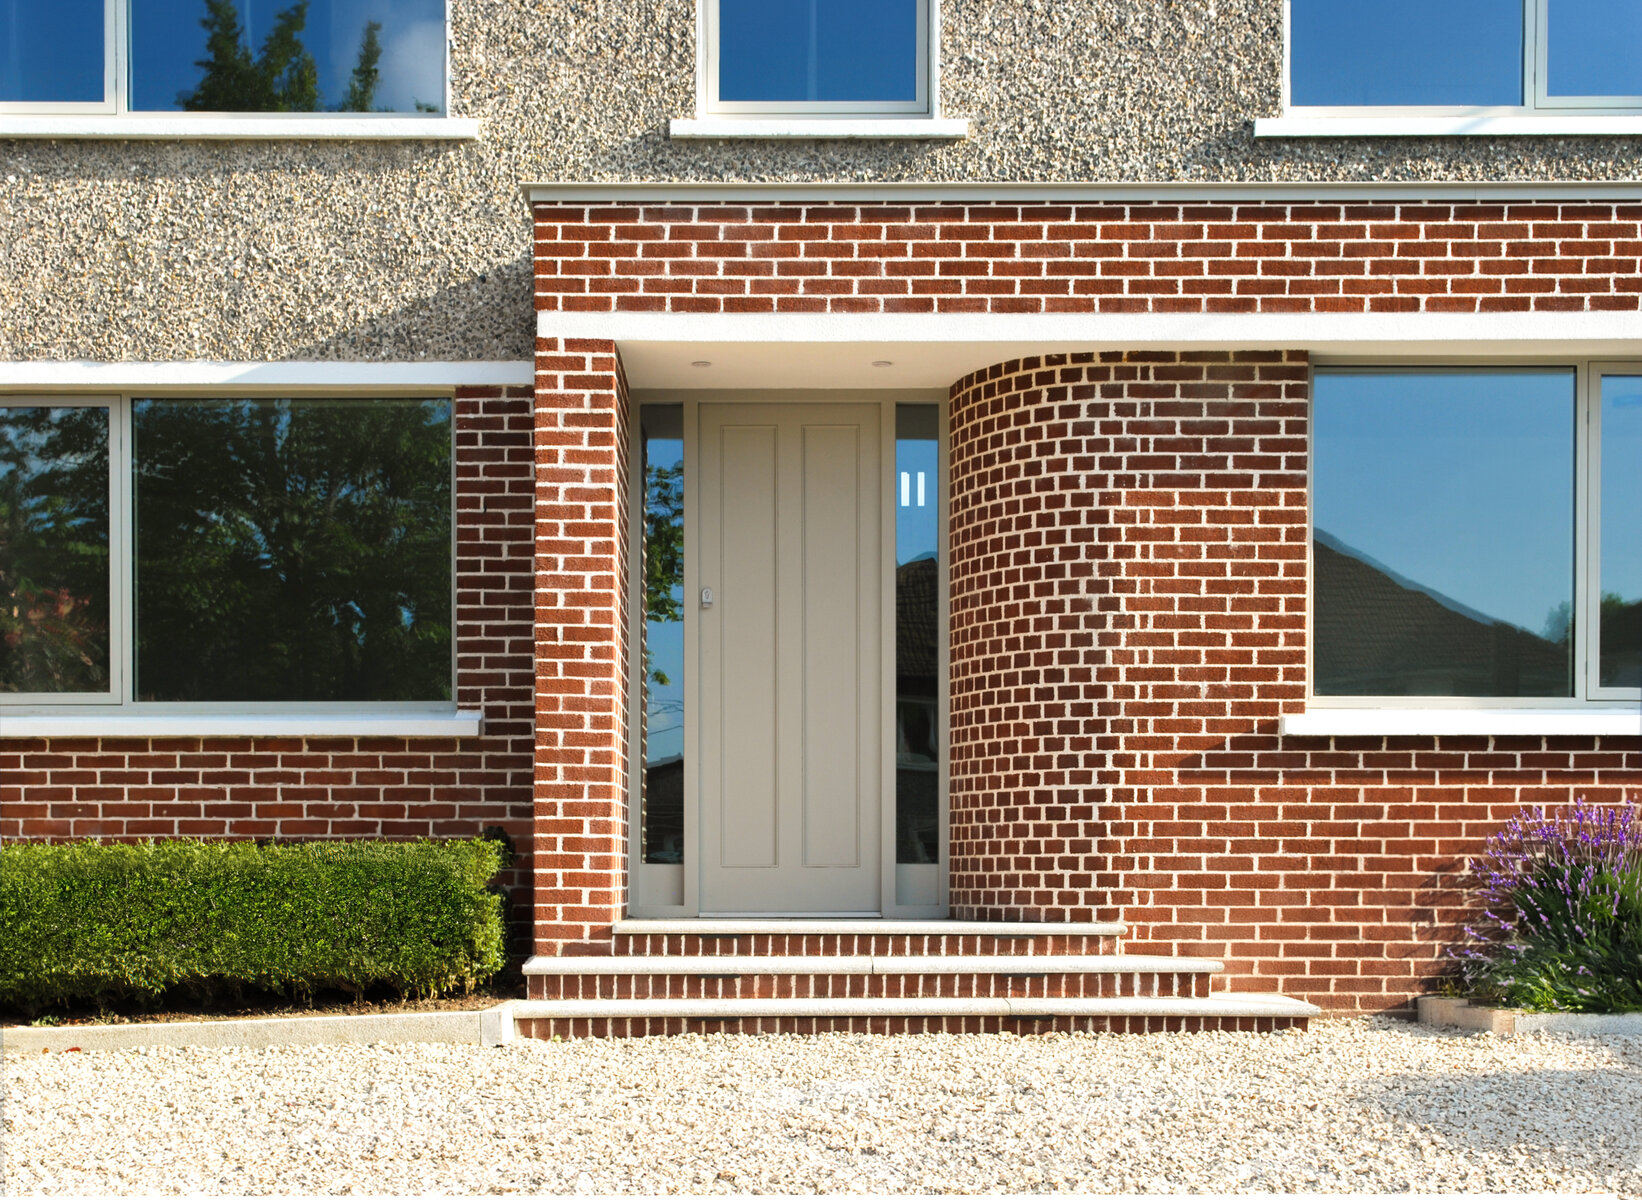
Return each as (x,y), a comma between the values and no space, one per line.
(790,669)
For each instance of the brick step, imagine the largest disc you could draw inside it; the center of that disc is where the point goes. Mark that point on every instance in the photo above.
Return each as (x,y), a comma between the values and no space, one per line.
(873,936)
(820,976)
(642,1018)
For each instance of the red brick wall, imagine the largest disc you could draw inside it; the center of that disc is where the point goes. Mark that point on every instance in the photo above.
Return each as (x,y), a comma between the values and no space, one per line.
(1088,258)
(581,643)
(340,787)
(1128,621)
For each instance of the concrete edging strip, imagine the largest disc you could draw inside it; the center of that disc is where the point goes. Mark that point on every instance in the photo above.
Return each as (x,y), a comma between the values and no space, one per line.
(474,1027)
(1453,1013)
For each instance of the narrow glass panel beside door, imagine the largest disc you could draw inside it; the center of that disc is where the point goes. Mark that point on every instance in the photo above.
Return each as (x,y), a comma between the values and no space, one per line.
(1619,639)
(918,569)
(51,53)
(54,539)
(661,788)
(1443,532)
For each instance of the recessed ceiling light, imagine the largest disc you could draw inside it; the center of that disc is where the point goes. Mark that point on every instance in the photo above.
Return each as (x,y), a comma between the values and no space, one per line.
(701,362)
(882,362)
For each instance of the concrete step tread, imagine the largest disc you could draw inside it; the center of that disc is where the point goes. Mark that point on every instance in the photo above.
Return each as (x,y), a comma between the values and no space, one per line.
(862,927)
(873,964)
(1225,1005)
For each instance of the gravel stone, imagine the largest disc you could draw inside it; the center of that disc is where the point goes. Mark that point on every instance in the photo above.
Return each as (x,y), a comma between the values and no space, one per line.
(403,251)
(1364,1105)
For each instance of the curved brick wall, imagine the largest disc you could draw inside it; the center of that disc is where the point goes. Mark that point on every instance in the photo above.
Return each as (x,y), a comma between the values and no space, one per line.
(1128,622)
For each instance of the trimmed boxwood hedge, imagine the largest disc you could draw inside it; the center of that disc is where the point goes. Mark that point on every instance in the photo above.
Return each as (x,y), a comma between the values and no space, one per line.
(108,923)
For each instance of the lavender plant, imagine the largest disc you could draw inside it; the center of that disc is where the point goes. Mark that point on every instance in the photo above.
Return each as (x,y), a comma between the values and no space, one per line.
(1562,912)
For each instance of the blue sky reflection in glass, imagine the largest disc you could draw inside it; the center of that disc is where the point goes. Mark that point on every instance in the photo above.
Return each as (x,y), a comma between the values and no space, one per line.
(840,51)
(1459,482)
(1462,53)
(51,53)
(168,43)
(1594,48)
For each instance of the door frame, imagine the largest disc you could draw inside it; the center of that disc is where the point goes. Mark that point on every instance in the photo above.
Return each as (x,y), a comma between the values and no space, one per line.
(672,889)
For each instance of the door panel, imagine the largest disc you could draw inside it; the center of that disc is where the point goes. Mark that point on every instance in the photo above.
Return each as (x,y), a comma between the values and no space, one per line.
(790,650)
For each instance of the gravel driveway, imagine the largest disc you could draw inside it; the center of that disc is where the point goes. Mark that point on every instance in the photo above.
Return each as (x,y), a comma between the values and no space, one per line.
(1353,1105)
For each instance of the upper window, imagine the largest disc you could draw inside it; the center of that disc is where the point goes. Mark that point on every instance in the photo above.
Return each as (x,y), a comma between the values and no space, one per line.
(817,57)
(1465,56)
(222,56)
(186,551)
(1477,532)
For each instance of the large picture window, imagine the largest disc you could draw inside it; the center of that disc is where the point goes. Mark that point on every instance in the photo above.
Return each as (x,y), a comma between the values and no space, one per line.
(223,56)
(818,57)
(1475,534)
(248,551)
(1465,55)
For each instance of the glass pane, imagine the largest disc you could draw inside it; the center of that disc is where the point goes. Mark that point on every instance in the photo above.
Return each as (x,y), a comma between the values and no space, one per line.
(840,50)
(1406,52)
(288,55)
(51,53)
(1619,639)
(1595,48)
(54,549)
(661,791)
(917,634)
(1443,520)
(295,550)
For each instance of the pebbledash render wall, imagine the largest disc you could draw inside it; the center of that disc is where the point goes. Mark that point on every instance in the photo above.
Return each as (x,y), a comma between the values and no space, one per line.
(1129,548)
(307,788)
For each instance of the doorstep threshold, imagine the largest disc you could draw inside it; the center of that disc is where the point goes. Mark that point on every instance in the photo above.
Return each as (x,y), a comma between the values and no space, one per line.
(861,927)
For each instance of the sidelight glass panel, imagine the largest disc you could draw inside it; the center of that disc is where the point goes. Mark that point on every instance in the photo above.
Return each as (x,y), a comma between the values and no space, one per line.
(818,50)
(293,550)
(1619,633)
(54,540)
(51,53)
(288,56)
(918,736)
(1406,52)
(1592,47)
(661,790)
(1443,529)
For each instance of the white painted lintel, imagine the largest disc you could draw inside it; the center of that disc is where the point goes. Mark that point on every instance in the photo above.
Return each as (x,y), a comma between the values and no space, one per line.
(84,376)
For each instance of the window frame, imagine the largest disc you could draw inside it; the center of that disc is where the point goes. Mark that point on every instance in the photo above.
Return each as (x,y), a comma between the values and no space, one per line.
(120,699)
(1536,100)
(1588,694)
(925,104)
(116,101)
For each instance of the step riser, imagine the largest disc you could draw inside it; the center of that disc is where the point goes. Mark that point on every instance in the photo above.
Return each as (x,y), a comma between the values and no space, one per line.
(629,1027)
(697,987)
(795,945)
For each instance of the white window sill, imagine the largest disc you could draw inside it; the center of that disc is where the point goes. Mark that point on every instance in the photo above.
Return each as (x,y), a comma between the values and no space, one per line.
(1462,722)
(235,127)
(361,724)
(796,128)
(1539,125)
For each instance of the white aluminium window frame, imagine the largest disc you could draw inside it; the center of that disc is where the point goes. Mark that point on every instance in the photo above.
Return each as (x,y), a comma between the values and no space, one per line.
(120,699)
(1536,101)
(1589,697)
(116,99)
(926,102)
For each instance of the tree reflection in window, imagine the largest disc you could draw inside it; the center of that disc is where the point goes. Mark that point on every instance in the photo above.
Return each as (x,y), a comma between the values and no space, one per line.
(293,550)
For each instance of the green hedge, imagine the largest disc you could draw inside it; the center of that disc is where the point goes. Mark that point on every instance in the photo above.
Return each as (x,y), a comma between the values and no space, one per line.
(106,923)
